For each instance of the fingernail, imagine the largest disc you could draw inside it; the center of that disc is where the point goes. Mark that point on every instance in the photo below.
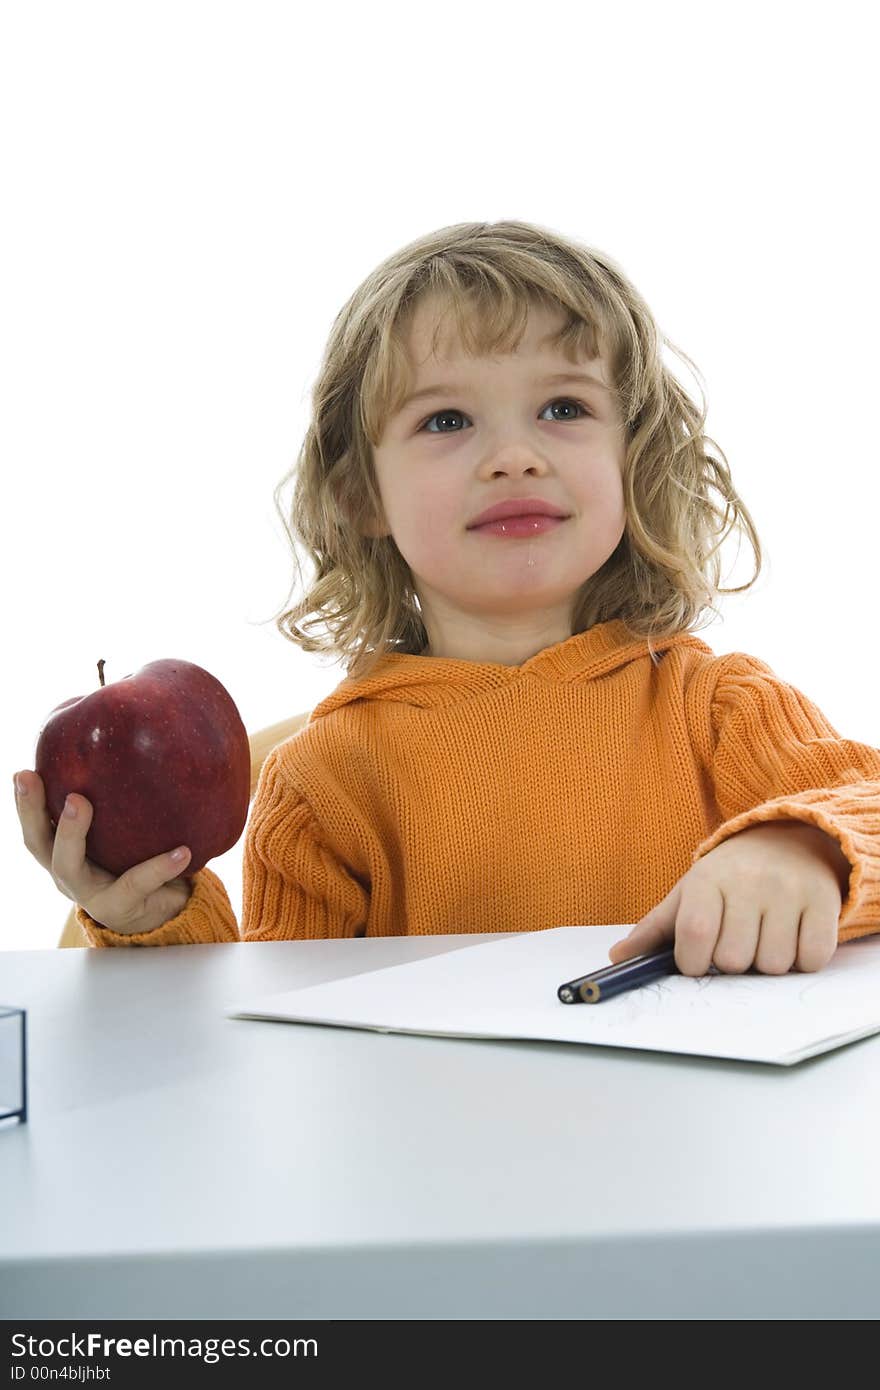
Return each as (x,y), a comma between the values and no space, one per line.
(69,808)
(20,788)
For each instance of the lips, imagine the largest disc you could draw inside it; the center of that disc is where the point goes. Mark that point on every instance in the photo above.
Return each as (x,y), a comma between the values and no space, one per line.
(517,506)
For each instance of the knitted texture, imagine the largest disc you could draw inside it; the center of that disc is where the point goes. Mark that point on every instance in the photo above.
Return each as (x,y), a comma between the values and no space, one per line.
(446,796)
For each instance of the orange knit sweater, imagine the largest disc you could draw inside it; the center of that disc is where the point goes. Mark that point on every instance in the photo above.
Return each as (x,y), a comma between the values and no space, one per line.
(442,796)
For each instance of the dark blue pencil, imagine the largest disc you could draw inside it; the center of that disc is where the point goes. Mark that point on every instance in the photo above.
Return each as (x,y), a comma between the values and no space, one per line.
(614,979)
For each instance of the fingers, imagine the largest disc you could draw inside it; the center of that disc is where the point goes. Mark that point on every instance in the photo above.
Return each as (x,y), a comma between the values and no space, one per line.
(646,936)
(738,937)
(131,891)
(68,867)
(114,902)
(691,916)
(698,926)
(36,827)
(778,943)
(733,935)
(817,938)
(60,850)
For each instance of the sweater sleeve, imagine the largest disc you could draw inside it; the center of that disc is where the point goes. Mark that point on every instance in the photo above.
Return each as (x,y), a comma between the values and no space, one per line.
(776,757)
(295,886)
(207,916)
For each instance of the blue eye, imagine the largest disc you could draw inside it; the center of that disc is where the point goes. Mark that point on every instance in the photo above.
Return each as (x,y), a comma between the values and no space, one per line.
(450,410)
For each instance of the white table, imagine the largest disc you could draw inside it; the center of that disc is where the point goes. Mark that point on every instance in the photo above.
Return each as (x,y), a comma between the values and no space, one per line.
(179,1164)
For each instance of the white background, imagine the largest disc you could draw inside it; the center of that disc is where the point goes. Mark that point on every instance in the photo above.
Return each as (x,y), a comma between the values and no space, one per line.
(192,190)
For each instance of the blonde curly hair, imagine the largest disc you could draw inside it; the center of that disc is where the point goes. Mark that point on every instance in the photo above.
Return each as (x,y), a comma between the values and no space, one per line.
(663,575)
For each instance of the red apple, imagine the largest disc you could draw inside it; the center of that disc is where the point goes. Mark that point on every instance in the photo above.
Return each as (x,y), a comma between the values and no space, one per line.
(164,759)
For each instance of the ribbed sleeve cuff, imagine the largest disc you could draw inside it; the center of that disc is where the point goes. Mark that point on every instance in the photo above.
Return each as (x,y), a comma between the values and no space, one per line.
(851,814)
(207,916)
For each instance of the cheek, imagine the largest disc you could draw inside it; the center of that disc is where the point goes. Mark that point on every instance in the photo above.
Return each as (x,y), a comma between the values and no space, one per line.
(604,495)
(423,524)
(433,511)
(430,538)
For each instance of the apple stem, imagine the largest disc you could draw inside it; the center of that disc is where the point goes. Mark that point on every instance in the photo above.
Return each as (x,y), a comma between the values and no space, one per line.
(101,671)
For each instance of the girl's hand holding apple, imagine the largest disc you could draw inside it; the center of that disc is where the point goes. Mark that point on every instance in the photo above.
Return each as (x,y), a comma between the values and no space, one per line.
(159,758)
(142,899)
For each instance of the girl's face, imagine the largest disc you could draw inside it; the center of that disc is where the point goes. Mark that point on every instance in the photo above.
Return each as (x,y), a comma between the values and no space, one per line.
(500,429)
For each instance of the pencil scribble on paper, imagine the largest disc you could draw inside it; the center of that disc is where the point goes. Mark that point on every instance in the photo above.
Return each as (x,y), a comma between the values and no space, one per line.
(680,996)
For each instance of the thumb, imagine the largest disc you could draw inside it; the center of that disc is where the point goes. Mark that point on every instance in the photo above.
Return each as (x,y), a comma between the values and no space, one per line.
(137,883)
(652,932)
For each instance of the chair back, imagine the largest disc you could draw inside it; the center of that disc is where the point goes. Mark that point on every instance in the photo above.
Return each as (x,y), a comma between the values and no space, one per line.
(261,744)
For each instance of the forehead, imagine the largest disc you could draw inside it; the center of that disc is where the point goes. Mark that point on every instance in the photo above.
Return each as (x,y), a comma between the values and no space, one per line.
(432,340)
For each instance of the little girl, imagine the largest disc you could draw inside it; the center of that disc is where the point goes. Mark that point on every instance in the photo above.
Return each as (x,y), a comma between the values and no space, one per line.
(505,495)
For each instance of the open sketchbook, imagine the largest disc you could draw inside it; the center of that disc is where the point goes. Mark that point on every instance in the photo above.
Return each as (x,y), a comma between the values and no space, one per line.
(507,989)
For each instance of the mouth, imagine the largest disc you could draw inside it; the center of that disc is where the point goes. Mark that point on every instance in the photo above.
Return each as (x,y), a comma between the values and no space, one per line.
(514,507)
(519,527)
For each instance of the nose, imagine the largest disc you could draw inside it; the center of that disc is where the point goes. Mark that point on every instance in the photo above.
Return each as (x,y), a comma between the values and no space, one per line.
(514,462)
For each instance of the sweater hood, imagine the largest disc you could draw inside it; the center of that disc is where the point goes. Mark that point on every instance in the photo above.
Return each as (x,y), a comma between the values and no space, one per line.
(430,681)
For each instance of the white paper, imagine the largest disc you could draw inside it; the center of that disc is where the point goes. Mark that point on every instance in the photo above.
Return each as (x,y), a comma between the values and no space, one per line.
(507,989)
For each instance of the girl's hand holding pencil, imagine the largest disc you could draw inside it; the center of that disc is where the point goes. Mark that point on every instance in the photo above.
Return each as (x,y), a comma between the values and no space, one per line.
(769,898)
